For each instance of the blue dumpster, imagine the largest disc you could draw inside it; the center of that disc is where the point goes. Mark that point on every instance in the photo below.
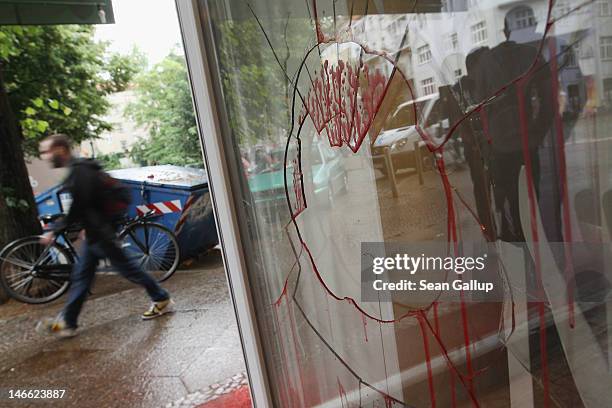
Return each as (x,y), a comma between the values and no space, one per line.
(53,201)
(179,196)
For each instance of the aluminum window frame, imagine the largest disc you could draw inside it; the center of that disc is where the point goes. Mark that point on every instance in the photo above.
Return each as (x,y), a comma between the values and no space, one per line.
(207,111)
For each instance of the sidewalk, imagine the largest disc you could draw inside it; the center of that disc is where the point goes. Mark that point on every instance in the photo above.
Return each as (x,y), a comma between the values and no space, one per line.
(119,360)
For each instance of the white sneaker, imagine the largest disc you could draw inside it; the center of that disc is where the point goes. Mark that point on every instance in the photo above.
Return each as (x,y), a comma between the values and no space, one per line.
(56,327)
(158,309)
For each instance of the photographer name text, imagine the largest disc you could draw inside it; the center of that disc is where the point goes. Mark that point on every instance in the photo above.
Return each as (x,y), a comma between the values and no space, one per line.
(412,265)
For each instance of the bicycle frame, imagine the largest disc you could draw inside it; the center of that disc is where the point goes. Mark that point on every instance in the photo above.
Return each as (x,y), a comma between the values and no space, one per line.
(55,272)
(139,220)
(62,272)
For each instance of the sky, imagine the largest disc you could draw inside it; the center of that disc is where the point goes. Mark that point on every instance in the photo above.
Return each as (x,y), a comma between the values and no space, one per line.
(151,25)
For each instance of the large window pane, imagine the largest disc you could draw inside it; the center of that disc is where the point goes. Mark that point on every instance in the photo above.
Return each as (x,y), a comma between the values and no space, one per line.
(468,125)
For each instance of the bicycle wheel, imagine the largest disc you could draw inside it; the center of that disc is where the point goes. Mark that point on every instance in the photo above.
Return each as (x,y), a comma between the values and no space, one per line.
(28,283)
(153,246)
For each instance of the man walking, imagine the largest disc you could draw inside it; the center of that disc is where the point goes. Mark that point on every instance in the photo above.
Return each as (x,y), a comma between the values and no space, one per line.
(90,202)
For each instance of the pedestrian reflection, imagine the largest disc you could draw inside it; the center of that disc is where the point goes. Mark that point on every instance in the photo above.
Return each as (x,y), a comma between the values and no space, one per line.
(513,80)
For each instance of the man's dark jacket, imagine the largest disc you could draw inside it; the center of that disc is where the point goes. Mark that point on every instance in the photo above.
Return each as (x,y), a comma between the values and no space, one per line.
(84,183)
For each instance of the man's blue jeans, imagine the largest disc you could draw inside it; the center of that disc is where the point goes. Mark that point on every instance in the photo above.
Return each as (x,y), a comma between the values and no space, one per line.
(84,271)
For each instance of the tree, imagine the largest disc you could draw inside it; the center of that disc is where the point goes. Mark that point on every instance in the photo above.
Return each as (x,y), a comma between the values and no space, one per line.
(121,69)
(110,161)
(165,107)
(52,79)
(57,79)
(260,111)
(17,207)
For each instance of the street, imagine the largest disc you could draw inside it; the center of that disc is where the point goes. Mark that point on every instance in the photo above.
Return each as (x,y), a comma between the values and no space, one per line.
(117,360)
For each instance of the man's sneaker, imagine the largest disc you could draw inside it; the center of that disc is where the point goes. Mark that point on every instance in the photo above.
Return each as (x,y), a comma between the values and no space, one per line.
(55,327)
(158,308)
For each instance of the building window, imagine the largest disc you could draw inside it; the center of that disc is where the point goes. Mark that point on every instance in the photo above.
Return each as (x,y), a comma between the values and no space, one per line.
(458,73)
(452,41)
(607,85)
(585,51)
(569,55)
(397,27)
(604,8)
(605,47)
(424,54)
(479,32)
(523,18)
(428,86)
(561,8)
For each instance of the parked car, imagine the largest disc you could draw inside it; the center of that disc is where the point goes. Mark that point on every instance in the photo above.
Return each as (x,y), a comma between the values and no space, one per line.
(329,177)
(399,133)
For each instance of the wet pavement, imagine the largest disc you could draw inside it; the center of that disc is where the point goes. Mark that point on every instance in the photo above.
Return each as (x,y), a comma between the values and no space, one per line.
(118,360)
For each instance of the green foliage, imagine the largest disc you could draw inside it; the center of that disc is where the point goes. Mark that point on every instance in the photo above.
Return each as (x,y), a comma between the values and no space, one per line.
(164,106)
(122,68)
(257,91)
(110,161)
(57,79)
(12,201)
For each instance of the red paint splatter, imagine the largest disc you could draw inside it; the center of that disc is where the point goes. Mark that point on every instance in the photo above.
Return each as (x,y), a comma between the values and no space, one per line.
(320,36)
(365,327)
(451,374)
(286,394)
(332,106)
(534,231)
(466,339)
(342,394)
(296,351)
(300,201)
(339,102)
(484,120)
(567,226)
(430,379)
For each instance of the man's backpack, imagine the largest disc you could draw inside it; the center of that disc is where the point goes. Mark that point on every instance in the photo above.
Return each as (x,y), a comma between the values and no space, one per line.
(116,197)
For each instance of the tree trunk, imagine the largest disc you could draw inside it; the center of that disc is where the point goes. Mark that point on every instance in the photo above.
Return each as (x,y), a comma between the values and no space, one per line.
(18,212)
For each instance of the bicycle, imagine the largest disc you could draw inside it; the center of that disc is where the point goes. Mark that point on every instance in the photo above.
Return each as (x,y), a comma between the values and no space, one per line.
(35,273)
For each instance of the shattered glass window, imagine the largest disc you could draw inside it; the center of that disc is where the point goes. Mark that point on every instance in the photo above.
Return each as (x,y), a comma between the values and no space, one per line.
(461,125)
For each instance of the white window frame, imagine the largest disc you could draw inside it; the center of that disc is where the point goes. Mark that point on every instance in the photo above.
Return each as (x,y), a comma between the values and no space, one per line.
(452,41)
(424,54)
(570,54)
(605,47)
(604,8)
(224,205)
(561,8)
(428,86)
(524,18)
(479,32)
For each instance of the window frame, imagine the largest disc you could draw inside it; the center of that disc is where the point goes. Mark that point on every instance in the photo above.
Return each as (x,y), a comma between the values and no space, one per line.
(427,84)
(479,32)
(424,55)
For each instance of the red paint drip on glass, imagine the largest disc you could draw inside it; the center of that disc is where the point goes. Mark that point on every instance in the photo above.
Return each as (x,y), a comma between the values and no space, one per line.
(432,393)
(365,327)
(534,231)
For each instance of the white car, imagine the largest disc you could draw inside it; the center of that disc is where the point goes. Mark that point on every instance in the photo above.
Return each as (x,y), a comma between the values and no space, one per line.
(399,133)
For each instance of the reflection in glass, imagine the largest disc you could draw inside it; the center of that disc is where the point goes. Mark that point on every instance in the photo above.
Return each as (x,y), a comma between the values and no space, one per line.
(467,123)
